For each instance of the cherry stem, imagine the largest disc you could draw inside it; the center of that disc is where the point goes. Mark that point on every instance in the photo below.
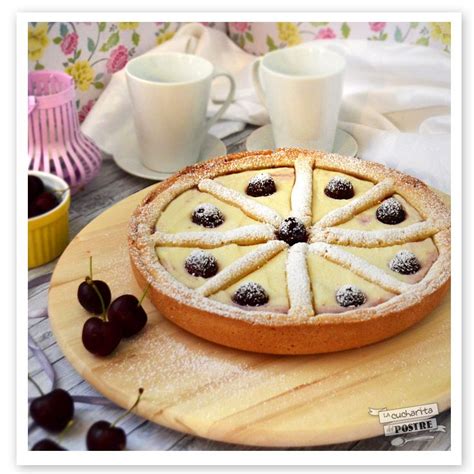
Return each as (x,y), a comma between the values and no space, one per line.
(102,304)
(90,281)
(137,401)
(61,435)
(144,294)
(35,384)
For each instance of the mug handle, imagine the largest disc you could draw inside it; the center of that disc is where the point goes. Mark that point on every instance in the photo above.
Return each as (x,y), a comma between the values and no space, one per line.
(256,80)
(230,97)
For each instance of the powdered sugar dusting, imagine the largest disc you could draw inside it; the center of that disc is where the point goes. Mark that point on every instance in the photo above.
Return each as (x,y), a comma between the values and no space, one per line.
(179,370)
(350,295)
(375,238)
(404,262)
(249,206)
(359,267)
(250,294)
(338,182)
(260,178)
(173,364)
(368,199)
(200,263)
(207,215)
(298,282)
(247,235)
(302,193)
(390,211)
(241,267)
(339,188)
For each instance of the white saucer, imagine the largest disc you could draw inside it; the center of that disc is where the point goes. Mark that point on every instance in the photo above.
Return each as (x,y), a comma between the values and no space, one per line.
(126,157)
(262,139)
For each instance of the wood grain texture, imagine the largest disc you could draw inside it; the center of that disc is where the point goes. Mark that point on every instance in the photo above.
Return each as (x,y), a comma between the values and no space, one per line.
(210,391)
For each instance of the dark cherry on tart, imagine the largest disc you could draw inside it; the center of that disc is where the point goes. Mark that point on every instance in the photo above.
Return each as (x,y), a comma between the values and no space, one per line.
(261,184)
(292,231)
(350,295)
(339,188)
(405,263)
(201,264)
(250,294)
(391,212)
(207,215)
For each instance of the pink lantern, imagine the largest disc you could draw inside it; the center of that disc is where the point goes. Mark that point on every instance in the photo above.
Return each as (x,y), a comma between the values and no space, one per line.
(55,142)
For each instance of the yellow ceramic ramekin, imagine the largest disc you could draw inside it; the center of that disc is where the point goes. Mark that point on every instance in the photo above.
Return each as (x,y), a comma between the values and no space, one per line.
(48,234)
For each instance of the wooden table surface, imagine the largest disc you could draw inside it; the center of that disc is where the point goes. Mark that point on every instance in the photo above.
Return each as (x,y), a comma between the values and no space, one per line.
(110,186)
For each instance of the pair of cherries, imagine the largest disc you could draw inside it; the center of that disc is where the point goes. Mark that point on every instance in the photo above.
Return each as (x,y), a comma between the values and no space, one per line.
(123,317)
(54,412)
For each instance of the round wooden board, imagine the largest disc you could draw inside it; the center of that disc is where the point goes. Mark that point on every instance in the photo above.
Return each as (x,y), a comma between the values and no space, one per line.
(204,389)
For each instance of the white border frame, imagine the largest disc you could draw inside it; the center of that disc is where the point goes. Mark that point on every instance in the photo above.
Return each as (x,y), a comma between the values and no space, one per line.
(235,458)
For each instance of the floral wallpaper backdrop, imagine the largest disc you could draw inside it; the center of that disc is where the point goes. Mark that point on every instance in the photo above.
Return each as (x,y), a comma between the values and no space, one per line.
(92,52)
(259,38)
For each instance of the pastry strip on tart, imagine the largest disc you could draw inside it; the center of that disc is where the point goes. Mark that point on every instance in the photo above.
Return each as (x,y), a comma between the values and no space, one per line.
(302,192)
(246,235)
(375,238)
(249,206)
(368,199)
(298,281)
(242,267)
(359,266)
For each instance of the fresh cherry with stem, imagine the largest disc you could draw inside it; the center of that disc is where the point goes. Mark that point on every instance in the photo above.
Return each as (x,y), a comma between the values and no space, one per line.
(127,311)
(106,436)
(101,336)
(52,411)
(93,295)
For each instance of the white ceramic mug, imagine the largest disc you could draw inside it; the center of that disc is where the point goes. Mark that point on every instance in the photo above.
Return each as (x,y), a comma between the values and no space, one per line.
(169,94)
(302,89)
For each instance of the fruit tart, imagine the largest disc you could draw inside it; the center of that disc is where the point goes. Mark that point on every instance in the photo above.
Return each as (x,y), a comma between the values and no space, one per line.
(292,251)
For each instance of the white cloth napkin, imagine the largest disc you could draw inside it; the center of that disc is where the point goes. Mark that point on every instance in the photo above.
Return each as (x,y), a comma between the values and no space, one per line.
(396,100)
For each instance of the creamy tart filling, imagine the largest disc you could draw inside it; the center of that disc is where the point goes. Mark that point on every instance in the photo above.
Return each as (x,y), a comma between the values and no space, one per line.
(367,220)
(357,277)
(284,180)
(425,251)
(177,215)
(271,277)
(322,204)
(327,278)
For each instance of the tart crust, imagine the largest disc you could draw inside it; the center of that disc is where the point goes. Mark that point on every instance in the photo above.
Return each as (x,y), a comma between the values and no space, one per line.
(296,332)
